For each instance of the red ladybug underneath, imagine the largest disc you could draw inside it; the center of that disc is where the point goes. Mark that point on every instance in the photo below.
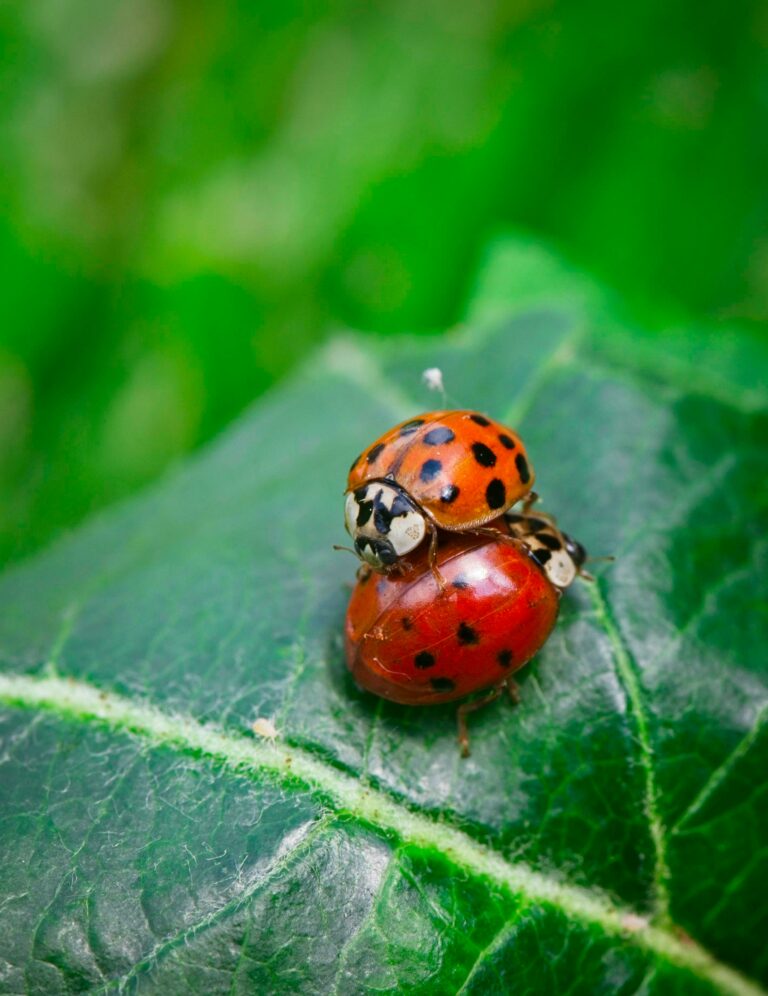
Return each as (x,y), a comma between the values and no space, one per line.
(411,643)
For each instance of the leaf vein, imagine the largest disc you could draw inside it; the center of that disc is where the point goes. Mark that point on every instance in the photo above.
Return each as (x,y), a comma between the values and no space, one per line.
(84,702)
(628,675)
(283,861)
(718,776)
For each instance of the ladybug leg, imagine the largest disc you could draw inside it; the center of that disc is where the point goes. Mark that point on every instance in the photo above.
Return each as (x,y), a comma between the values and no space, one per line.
(400,568)
(530,499)
(432,560)
(363,572)
(467,707)
(497,534)
(513,690)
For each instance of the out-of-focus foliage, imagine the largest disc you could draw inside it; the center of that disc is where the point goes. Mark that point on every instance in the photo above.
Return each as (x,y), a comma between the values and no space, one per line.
(193,193)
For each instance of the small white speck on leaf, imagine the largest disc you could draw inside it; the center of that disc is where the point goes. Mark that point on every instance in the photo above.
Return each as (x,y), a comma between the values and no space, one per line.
(264,727)
(632,922)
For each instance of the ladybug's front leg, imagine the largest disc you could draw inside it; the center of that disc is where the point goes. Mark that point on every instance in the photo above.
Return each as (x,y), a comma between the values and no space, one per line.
(467,707)
(530,499)
(432,559)
(513,690)
(363,573)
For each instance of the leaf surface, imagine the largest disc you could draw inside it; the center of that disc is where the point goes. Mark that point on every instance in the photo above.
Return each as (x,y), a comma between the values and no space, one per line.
(609,835)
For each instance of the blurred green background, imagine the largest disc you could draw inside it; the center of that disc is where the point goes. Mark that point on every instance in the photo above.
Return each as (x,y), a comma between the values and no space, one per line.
(195,194)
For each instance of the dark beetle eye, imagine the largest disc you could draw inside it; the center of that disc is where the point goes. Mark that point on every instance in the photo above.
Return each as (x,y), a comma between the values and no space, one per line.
(575,550)
(384,551)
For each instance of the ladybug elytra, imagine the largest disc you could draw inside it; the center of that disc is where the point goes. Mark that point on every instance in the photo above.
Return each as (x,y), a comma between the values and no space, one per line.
(410,642)
(450,470)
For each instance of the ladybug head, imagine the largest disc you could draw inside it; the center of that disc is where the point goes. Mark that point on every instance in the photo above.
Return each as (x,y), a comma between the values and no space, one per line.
(378,553)
(383,522)
(559,556)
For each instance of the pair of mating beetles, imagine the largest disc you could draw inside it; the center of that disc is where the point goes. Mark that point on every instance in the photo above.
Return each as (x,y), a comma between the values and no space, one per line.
(456,591)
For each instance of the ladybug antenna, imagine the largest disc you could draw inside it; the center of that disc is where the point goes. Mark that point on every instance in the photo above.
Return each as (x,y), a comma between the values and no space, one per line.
(346,549)
(590,560)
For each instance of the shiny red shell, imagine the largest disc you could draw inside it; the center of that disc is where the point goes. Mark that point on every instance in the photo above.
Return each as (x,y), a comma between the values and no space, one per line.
(407,642)
(462,468)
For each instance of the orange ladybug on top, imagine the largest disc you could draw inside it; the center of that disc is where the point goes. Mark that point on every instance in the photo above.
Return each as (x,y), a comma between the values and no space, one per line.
(451,470)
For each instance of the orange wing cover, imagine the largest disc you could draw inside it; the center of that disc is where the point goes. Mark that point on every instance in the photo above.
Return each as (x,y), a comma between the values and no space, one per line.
(461,467)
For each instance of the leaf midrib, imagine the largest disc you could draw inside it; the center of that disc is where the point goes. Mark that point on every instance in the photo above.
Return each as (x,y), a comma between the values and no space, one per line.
(625,667)
(81,702)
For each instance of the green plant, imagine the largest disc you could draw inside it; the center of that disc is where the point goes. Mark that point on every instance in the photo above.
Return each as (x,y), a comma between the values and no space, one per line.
(606,836)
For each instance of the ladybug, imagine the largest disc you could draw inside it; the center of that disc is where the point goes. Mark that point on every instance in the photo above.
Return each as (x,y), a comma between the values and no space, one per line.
(561,557)
(499,605)
(452,470)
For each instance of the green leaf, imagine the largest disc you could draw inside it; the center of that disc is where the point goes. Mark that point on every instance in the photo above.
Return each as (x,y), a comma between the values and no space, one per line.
(606,836)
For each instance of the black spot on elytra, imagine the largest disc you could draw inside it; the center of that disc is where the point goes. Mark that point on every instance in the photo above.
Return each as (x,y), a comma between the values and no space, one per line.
(504,657)
(443,684)
(424,660)
(364,511)
(480,419)
(550,541)
(495,494)
(407,624)
(436,437)
(374,451)
(506,441)
(429,470)
(411,427)
(541,556)
(460,583)
(484,455)
(449,493)
(522,468)
(466,634)
(355,462)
